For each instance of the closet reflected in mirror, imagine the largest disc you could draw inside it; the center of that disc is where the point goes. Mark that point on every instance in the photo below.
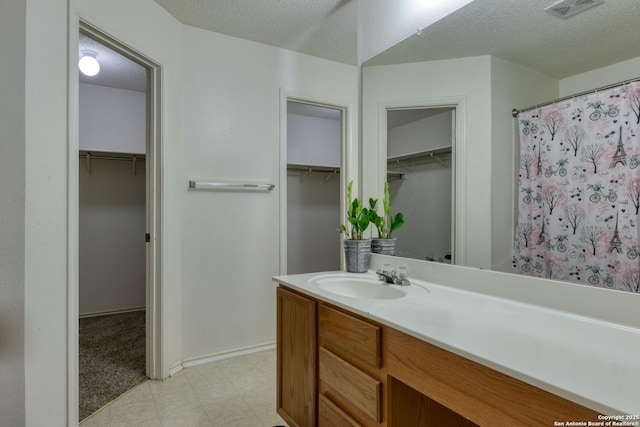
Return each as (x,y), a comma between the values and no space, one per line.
(420,176)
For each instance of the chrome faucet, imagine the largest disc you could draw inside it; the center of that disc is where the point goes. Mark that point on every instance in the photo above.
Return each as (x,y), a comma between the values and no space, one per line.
(394,277)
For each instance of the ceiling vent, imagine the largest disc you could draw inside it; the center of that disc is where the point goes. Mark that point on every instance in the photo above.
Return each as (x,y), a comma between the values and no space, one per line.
(567,8)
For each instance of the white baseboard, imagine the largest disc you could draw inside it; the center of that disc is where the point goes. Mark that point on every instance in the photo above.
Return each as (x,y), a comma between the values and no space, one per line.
(194,361)
(177,367)
(106,313)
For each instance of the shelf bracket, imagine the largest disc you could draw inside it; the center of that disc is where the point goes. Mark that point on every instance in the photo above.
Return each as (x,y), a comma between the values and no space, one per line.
(407,167)
(328,176)
(304,175)
(88,163)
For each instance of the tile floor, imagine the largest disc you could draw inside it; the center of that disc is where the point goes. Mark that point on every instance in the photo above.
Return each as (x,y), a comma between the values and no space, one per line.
(234,392)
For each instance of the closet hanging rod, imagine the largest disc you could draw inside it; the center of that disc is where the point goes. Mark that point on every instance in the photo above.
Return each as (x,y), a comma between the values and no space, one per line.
(130,157)
(309,168)
(208,185)
(515,111)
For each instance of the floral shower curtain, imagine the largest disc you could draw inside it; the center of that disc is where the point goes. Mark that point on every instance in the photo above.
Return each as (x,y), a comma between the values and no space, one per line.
(579,190)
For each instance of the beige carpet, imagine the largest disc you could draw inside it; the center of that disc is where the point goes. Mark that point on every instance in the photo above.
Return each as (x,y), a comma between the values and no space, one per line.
(112,358)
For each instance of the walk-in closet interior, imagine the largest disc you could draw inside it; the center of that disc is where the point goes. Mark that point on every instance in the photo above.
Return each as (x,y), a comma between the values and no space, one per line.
(419,172)
(314,141)
(112,223)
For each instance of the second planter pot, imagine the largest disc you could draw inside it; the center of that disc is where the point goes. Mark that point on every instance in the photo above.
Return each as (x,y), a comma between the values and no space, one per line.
(384,246)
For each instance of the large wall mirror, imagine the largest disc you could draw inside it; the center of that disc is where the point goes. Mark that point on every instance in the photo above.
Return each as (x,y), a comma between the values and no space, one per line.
(478,64)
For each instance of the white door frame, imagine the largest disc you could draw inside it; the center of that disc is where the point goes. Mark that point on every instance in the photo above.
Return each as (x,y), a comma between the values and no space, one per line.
(153,167)
(348,158)
(458,148)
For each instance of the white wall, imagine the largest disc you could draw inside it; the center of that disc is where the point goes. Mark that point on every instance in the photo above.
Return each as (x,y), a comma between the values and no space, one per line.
(313,140)
(512,86)
(424,198)
(112,119)
(604,76)
(112,264)
(422,135)
(468,78)
(111,240)
(12,219)
(313,220)
(231,120)
(46,244)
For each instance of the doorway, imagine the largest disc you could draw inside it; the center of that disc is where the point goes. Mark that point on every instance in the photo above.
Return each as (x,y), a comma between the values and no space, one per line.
(314,146)
(420,176)
(116,298)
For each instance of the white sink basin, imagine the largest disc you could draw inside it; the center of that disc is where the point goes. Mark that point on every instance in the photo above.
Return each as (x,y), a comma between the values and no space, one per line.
(357,287)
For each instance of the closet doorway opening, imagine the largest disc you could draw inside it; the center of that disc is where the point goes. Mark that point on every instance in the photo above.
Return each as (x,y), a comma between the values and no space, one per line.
(420,144)
(118,223)
(315,136)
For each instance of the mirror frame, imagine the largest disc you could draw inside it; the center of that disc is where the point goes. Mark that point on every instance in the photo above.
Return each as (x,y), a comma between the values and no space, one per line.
(459,187)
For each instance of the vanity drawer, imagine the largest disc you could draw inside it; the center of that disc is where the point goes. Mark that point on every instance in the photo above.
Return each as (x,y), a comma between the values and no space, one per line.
(330,415)
(352,339)
(361,390)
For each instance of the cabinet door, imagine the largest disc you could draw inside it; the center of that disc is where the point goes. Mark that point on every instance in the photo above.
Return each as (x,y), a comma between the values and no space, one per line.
(296,359)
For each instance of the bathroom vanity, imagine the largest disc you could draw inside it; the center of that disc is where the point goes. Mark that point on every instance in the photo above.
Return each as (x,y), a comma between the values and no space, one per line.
(353,351)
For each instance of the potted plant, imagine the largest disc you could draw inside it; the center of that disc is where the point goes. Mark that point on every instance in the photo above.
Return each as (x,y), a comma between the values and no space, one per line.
(357,249)
(385,224)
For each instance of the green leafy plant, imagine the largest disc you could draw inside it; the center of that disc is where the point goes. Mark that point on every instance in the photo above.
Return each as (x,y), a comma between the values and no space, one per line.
(385,223)
(358,216)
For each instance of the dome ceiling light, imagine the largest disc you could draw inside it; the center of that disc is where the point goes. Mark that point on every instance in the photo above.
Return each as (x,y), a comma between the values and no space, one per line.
(88,64)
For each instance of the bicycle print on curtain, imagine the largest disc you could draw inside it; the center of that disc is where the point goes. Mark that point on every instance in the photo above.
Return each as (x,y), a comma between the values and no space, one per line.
(579,190)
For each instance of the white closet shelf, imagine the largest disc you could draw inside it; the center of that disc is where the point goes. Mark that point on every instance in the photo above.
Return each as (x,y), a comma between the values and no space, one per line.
(420,154)
(408,161)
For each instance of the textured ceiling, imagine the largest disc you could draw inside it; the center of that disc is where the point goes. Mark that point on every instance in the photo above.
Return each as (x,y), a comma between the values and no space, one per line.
(322,28)
(115,70)
(521,32)
(516,30)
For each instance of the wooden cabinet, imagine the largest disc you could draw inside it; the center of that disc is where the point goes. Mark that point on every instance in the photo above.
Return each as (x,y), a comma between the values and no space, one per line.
(296,317)
(355,372)
(330,415)
(350,377)
(460,392)
(344,383)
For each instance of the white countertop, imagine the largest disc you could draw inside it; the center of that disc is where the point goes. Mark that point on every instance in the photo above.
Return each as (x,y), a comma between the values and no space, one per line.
(590,361)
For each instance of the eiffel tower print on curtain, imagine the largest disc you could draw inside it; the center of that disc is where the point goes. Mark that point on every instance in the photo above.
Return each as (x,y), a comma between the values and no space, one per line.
(620,156)
(615,244)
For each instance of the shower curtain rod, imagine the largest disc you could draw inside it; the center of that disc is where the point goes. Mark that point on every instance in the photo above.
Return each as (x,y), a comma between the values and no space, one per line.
(515,111)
